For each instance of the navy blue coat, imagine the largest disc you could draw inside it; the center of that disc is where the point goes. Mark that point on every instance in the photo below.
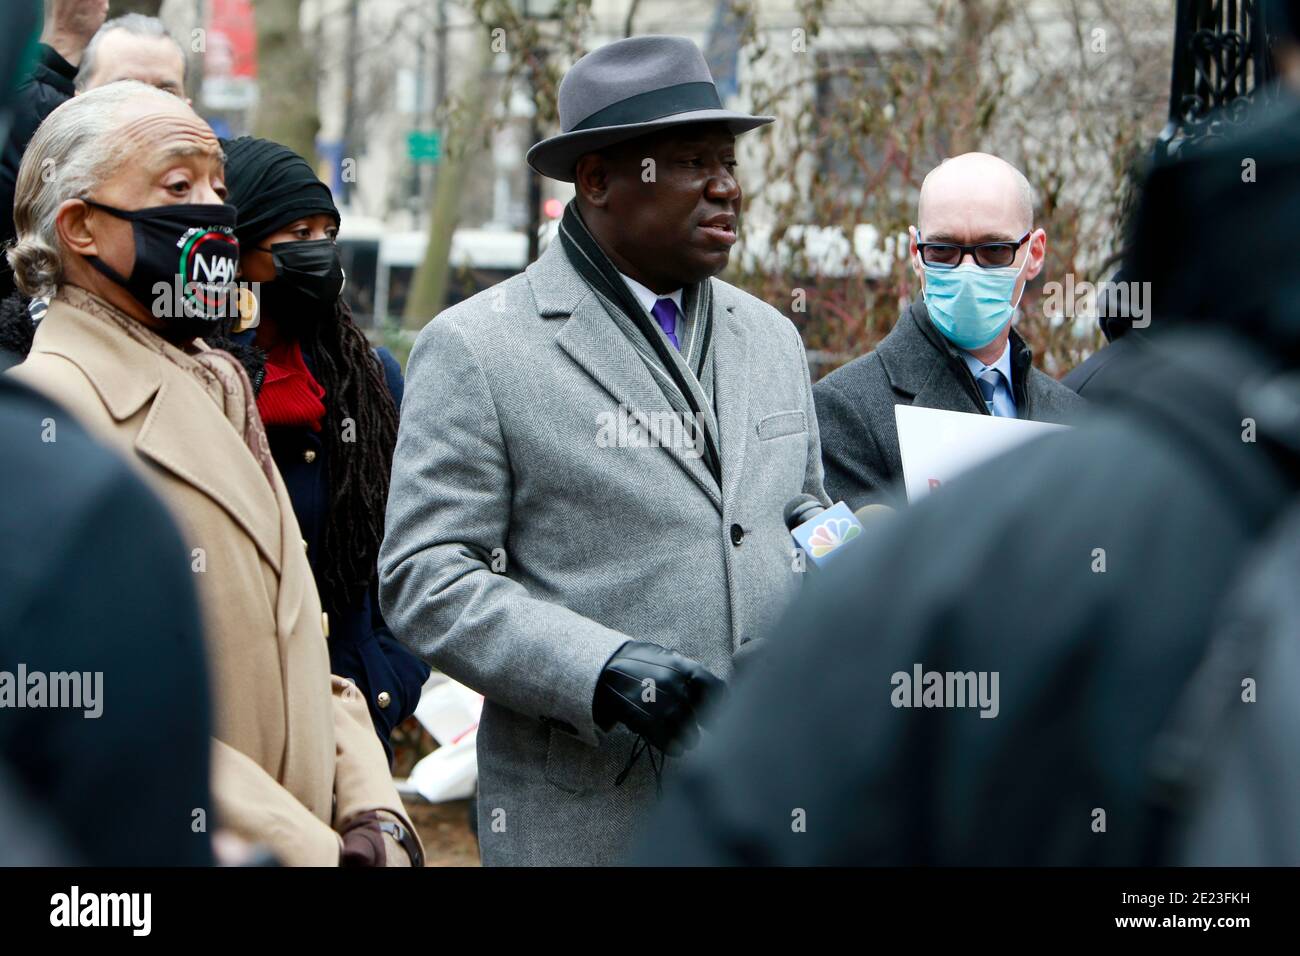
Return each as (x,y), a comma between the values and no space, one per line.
(361,646)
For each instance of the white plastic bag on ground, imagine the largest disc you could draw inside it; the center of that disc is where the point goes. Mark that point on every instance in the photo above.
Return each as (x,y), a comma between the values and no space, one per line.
(450,712)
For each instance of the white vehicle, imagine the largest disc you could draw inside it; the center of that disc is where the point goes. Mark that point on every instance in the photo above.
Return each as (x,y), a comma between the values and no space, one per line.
(381,265)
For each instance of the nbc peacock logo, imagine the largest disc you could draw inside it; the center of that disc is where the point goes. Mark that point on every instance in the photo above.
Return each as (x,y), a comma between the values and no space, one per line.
(830,534)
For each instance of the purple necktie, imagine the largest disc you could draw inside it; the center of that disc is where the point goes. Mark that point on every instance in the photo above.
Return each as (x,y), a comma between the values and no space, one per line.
(665,313)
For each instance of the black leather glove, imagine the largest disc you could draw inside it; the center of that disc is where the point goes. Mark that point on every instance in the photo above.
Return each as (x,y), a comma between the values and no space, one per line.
(665,712)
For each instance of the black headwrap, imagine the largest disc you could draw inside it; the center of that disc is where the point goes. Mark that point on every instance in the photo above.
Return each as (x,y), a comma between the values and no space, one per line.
(271,186)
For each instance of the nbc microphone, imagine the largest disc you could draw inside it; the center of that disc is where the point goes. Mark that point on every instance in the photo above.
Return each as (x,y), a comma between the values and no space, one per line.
(820,531)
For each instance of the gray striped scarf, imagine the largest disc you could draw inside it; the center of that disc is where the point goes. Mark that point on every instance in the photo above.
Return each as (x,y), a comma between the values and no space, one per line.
(685,377)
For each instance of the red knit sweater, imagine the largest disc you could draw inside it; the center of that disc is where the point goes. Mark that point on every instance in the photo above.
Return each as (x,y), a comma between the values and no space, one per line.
(290,395)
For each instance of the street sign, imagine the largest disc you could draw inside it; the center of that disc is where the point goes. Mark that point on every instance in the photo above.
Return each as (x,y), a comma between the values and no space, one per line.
(424,147)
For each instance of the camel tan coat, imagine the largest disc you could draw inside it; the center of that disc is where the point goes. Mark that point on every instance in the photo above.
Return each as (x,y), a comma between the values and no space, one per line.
(295,755)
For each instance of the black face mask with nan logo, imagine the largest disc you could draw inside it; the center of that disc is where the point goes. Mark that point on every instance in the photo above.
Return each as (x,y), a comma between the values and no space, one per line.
(186,262)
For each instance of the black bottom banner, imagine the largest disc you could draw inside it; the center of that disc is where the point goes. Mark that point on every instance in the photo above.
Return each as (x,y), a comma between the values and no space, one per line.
(269,905)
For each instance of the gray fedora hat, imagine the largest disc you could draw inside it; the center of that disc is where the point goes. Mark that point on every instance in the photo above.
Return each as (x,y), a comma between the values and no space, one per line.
(629,88)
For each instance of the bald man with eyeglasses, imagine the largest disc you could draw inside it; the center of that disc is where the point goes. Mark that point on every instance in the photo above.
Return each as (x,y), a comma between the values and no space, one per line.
(973,249)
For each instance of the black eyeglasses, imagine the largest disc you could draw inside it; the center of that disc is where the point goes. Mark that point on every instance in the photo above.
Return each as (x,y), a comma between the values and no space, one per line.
(987,255)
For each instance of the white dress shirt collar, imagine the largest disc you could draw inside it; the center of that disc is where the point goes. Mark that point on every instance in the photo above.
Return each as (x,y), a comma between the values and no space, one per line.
(1003,364)
(648,298)
(1004,398)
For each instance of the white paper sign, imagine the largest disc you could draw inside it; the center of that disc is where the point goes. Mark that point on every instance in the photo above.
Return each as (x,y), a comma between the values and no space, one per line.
(937,445)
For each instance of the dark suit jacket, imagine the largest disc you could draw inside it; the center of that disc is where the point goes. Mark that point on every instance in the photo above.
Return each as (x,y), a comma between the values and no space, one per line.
(1097,367)
(913,365)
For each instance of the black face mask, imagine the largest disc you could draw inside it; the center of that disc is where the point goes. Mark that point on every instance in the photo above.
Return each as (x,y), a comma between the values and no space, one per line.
(308,281)
(186,261)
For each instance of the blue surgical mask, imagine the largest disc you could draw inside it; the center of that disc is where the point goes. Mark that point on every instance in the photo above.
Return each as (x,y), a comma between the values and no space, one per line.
(969,304)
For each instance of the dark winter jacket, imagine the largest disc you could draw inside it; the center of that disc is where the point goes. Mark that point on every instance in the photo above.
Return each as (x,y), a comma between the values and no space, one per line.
(362,647)
(48,87)
(1091,574)
(1091,608)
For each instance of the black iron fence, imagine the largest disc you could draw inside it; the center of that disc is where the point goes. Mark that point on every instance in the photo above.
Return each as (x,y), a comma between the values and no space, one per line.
(1221,67)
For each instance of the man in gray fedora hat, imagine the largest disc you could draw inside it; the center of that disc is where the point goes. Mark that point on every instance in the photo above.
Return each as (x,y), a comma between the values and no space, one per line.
(585,521)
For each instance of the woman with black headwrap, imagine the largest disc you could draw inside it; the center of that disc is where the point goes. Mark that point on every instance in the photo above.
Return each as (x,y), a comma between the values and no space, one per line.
(329,402)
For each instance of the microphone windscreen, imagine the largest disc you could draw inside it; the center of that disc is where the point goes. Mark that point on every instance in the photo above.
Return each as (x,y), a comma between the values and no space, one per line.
(801,508)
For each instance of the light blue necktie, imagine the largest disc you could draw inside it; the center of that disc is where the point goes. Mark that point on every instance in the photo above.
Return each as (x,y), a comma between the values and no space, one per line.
(988,382)
(665,313)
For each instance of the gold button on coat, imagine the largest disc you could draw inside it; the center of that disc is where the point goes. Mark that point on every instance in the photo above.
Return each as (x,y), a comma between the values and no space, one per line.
(384,699)
(309,456)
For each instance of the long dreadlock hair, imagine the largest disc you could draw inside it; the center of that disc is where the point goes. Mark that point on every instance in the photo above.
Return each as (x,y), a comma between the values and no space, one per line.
(272,186)
(359,434)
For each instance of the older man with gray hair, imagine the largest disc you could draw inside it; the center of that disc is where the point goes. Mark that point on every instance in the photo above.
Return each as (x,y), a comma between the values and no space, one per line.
(138,209)
(79,52)
(974,248)
(133,47)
